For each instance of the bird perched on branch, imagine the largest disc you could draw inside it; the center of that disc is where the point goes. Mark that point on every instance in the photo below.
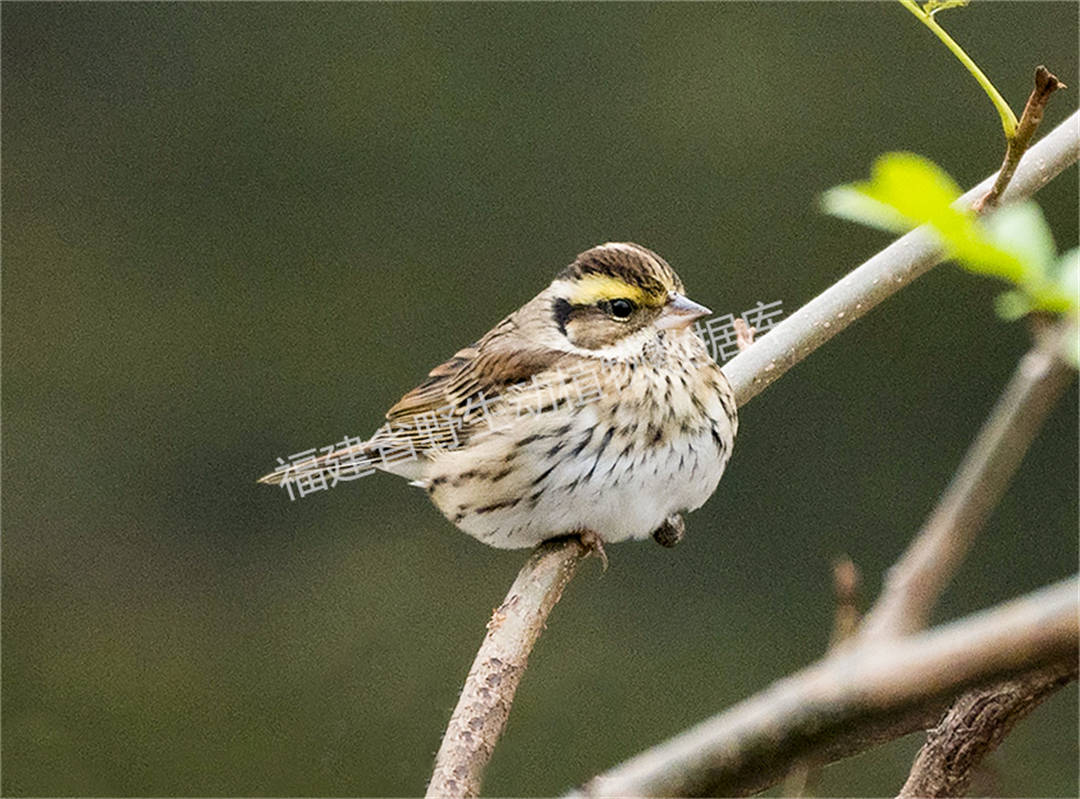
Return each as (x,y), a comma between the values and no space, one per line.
(593,409)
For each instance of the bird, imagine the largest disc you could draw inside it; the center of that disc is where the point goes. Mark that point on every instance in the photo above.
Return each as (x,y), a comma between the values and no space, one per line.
(593,410)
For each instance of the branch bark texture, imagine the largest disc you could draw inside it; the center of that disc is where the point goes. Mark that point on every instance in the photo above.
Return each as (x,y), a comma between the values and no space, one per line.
(974,727)
(484,704)
(850,701)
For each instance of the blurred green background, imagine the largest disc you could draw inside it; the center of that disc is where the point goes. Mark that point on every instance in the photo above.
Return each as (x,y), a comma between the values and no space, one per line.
(233,232)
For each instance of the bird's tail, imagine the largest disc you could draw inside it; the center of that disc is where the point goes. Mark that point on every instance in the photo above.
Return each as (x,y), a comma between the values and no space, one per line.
(346,463)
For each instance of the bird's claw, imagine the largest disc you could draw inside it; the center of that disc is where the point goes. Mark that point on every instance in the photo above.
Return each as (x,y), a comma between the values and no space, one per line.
(595,545)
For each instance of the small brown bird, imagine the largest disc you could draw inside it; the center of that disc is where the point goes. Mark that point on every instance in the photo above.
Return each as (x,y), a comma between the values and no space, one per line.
(593,409)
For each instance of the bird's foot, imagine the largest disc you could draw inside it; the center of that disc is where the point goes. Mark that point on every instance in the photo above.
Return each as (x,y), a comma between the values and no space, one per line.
(671,532)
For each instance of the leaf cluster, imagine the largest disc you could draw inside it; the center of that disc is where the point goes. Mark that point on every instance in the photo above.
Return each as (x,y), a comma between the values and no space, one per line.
(1013,244)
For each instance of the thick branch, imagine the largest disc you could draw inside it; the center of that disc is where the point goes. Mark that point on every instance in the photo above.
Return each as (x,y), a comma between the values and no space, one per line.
(917,580)
(851,700)
(484,705)
(907,258)
(974,727)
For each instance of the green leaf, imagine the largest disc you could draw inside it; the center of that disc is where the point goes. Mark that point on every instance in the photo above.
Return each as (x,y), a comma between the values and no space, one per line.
(916,187)
(1022,230)
(978,251)
(848,202)
(1012,305)
(906,190)
(1014,243)
(1055,289)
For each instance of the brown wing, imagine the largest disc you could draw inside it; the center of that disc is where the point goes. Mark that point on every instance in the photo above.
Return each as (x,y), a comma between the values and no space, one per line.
(431,394)
(450,404)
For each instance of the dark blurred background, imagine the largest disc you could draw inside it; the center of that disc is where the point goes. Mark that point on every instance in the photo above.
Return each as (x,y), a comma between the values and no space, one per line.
(234,232)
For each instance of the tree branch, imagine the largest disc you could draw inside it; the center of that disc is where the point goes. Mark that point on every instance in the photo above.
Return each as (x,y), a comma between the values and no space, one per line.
(917,580)
(979,720)
(974,727)
(907,258)
(850,701)
(460,762)
(484,705)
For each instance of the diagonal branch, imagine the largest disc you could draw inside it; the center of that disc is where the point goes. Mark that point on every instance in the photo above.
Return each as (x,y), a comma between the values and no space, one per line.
(896,266)
(837,707)
(917,580)
(750,373)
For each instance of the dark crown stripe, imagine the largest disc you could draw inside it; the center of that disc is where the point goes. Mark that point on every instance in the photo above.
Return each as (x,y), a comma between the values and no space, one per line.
(630,263)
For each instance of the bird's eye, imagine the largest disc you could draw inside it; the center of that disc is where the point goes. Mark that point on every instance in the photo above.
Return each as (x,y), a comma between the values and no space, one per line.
(621,309)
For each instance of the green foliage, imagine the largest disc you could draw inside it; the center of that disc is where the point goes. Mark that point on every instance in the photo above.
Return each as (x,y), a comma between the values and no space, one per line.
(1013,244)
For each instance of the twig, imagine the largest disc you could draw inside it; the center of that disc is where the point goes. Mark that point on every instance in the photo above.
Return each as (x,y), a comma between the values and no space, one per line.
(845,576)
(974,727)
(910,256)
(850,701)
(916,581)
(1046,83)
(926,15)
(750,373)
(484,705)
(846,595)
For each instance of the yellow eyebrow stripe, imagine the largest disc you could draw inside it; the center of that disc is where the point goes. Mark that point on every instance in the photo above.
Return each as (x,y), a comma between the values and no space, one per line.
(590,289)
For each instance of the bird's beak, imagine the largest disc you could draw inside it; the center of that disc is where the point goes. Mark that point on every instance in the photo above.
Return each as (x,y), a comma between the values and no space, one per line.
(679,312)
